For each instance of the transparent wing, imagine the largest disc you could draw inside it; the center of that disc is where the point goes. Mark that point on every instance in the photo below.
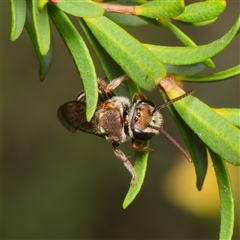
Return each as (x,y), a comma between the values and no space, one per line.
(72,115)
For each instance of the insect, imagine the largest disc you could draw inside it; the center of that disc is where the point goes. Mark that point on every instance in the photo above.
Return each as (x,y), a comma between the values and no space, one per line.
(118,120)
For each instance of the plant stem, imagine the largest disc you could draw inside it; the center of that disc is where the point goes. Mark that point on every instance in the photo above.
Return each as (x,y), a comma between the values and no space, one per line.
(117,8)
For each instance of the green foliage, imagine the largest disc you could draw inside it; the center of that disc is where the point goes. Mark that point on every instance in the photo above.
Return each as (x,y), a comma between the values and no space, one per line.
(81,56)
(140,166)
(147,66)
(202,13)
(226,196)
(192,55)
(127,52)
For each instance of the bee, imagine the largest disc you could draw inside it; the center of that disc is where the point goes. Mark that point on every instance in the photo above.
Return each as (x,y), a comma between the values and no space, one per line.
(118,120)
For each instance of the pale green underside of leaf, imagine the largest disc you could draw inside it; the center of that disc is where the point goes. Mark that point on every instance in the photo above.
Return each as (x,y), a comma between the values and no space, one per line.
(200,24)
(42,27)
(139,63)
(220,76)
(81,57)
(45,61)
(18,11)
(185,69)
(126,20)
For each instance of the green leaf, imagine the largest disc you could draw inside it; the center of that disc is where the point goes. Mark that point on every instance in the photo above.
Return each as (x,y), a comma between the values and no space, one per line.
(112,70)
(46,60)
(215,131)
(42,27)
(160,9)
(140,166)
(220,76)
(231,114)
(165,23)
(192,55)
(109,66)
(127,2)
(185,70)
(81,8)
(199,24)
(125,20)
(226,197)
(81,57)
(196,147)
(139,63)
(42,4)
(202,11)
(18,10)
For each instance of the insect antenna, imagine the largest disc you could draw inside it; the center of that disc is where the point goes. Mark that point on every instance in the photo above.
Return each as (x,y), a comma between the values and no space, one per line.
(161,130)
(173,101)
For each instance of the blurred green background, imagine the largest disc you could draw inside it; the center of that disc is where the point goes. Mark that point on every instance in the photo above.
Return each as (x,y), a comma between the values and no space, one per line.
(59,185)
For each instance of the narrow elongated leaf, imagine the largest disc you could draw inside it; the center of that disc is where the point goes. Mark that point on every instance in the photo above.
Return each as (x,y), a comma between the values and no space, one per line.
(220,76)
(140,166)
(18,11)
(231,114)
(226,197)
(215,131)
(109,66)
(196,147)
(81,8)
(160,9)
(139,63)
(46,60)
(165,23)
(192,55)
(113,70)
(202,11)
(81,57)
(42,28)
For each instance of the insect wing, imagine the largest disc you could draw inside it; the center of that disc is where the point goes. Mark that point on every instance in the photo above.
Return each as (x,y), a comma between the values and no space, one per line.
(72,115)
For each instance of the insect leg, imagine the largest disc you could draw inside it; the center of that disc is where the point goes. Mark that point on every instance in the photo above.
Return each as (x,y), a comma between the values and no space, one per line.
(116,82)
(136,96)
(141,148)
(122,157)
